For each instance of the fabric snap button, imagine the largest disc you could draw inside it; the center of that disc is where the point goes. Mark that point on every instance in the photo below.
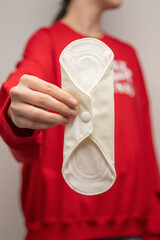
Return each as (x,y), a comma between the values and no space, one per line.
(85,116)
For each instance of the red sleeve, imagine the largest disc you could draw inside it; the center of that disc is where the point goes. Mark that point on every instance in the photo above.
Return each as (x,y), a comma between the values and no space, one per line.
(37,61)
(152,223)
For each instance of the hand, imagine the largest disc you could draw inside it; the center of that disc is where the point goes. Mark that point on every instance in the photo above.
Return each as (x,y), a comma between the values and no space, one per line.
(32,98)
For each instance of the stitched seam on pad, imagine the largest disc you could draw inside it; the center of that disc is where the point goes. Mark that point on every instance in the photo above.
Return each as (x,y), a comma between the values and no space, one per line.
(81,40)
(90,54)
(106,157)
(105,73)
(98,42)
(75,85)
(75,146)
(87,94)
(88,177)
(83,177)
(89,193)
(103,155)
(83,174)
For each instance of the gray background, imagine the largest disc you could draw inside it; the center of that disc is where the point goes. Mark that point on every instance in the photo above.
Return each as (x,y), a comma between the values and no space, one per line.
(137,22)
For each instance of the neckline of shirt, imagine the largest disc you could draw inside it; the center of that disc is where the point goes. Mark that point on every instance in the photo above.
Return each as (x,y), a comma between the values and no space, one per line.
(79,34)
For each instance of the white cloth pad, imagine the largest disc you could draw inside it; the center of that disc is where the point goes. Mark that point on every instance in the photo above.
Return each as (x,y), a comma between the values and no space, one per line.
(88,153)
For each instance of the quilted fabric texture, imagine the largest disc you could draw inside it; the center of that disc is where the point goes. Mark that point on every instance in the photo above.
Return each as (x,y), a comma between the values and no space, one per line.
(88,154)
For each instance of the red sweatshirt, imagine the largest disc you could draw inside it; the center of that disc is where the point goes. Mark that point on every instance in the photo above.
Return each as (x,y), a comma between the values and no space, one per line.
(54,211)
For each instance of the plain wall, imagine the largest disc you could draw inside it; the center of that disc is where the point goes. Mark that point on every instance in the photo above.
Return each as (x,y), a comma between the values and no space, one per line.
(137,22)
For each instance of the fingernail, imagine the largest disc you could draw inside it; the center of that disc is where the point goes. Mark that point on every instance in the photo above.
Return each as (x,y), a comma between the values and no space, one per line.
(73,101)
(65,120)
(72,112)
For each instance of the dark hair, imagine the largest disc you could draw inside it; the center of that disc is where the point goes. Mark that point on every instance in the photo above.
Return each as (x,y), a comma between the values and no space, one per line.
(63,10)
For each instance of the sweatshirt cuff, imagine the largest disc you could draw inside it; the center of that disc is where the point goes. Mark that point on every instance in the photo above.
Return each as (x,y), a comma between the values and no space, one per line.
(14,141)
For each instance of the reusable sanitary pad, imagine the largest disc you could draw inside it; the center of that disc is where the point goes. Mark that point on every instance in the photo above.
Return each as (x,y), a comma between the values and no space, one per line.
(88,153)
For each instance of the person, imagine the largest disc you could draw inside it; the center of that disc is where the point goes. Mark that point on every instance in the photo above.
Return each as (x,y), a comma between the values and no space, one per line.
(33,113)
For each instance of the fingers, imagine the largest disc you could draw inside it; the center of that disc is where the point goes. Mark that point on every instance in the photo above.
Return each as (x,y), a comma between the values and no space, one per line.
(34,115)
(22,122)
(31,99)
(44,101)
(52,90)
